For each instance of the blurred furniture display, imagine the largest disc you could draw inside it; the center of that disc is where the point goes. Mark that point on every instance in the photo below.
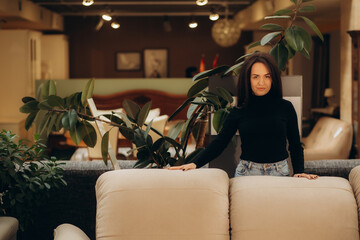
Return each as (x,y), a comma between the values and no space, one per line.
(8,228)
(166,102)
(329,139)
(206,202)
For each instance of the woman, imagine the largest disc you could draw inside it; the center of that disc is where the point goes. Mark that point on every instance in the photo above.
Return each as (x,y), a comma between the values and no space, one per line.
(265,122)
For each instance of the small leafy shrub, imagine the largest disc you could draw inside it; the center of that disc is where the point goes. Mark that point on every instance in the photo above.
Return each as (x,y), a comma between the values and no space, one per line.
(25,179)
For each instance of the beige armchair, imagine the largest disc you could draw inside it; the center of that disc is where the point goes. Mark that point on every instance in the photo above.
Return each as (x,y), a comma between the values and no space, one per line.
(8,228)
(330,138)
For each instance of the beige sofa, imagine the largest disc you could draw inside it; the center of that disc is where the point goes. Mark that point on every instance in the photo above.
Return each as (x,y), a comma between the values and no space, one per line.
(206,204)
(330,138)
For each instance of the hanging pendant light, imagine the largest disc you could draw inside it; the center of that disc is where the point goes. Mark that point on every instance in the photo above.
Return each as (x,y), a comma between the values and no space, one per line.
(213,15)
(115,25)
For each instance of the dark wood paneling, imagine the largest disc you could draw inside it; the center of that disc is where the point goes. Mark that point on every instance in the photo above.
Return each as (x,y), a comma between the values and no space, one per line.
(92,53)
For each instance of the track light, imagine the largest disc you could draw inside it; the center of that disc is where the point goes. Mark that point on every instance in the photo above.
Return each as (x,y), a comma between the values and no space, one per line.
(193,24)
(87,2)
(106,17)
(201,2)
(213,15)
(115,25)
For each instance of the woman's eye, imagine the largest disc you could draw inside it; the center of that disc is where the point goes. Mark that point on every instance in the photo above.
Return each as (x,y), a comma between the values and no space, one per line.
(268,76)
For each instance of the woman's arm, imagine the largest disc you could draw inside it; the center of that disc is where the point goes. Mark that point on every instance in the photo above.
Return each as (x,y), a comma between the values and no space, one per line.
(217,146)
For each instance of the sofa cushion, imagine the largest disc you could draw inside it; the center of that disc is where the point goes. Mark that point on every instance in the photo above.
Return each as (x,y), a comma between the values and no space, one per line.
(8,228)
(162,204)
(263,207)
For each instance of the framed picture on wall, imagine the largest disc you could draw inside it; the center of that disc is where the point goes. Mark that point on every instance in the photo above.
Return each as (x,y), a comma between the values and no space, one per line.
(128,61)
(156,63)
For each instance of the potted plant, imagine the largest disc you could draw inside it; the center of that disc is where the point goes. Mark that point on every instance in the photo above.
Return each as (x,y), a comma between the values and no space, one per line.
(26,178)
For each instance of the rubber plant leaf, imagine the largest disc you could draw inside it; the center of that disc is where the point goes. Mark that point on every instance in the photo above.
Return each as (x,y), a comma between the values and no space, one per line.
(131,108)
(219,119)
(198,87)
(55,101)
(280,54)
(89,133)
(294,39)
(313,27)
(254,44)
(282,12)
(272,26)
(225,94)
(105,147)
(30,107)
(182,106)
(210,72)
(268,37)
(143,114)
(307,8)
(87,92)
(246,55)
(29,120)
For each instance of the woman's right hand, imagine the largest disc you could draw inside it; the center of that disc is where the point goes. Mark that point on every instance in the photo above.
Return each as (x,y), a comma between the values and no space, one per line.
(184,167)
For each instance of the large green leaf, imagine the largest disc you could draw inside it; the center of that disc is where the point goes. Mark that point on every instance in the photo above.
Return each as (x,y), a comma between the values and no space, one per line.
(27,99)
(192,107)
(219,119)
(272,26)
(307,1)
(30,107)
(198,87)
(175,131)
(254,44)
(294,39)
(128,133)
(105,147)
(210,72)
(277,17)
(157,144)
(280,54)
(58,124)
(51,123)
(44,105)
(294,1)
(182,106)
(225,94)
(314,27)
(43,123)
(172,142)
(291,52)
(88,132)
(131,108)
(268,37)
(282,12)
(29,120)
(69,119)
(234,68)
(305,53)
(307,8)
(306,38)
(76,134)
(143,114)
(244,56)
(48,88)
(87,92)
(55,101)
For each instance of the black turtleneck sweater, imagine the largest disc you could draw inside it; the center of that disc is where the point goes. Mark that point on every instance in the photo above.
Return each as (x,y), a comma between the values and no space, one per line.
(264,126)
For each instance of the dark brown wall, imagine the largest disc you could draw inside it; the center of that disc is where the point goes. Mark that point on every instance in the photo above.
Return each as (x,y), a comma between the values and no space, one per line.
(92,54)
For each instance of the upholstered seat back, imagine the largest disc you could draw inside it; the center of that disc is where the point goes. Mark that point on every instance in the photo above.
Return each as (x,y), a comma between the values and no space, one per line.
(162,204)
(330,139)
(282,208)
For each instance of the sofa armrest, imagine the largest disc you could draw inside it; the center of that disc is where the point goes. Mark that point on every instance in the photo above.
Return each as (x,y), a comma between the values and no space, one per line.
(354,179)
(68,231)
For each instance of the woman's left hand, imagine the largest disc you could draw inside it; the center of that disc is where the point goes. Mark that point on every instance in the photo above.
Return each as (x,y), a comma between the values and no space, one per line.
(305,175)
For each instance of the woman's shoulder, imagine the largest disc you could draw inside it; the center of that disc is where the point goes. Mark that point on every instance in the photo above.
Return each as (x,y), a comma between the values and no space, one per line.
(285,103)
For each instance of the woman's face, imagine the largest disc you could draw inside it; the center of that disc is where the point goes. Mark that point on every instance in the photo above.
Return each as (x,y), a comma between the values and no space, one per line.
(260,79)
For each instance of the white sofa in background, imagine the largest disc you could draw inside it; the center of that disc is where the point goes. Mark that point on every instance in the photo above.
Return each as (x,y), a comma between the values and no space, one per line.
(330,138)
(8,228)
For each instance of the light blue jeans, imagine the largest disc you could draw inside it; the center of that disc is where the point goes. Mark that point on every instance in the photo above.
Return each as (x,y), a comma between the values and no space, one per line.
(248,168)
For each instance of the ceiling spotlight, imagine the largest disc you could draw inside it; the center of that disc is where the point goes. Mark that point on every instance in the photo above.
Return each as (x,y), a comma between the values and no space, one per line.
(115,25)
(87,2)
(213,15)
(201,2)
(193,24)
(106,17)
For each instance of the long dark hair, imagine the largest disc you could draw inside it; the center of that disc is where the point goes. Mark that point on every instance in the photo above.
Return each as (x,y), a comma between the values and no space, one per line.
(244,92)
